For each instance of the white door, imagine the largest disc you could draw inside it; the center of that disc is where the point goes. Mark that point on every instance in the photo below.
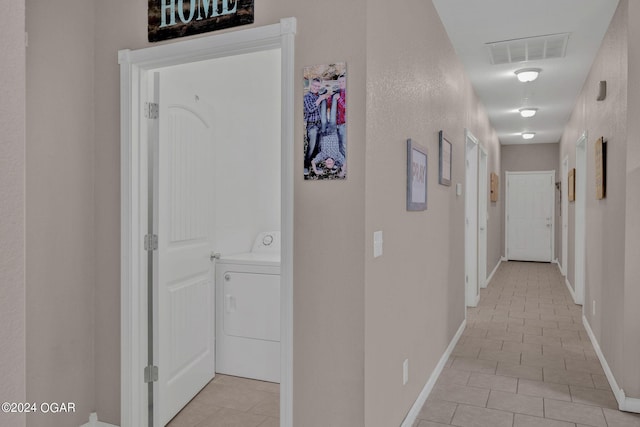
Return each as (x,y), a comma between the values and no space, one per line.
(185,299)
(530,217)
(483,201)
(471,221)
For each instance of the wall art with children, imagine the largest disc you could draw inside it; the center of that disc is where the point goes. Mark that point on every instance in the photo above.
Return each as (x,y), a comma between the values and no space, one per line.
(325,121)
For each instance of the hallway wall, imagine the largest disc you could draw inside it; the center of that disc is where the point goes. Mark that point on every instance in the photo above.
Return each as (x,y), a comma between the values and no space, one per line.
(631,346)
(614,321)
(414,292)
(60,215)
(12,209)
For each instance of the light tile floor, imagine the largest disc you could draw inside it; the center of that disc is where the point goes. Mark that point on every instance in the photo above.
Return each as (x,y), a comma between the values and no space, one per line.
(524,360)
(232,402)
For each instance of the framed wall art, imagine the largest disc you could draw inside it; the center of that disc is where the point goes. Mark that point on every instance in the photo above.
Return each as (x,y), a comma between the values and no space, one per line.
(571,181)
(416,177)
(325,121)
(601,168)
(493,187)
(444,164)
(170,19)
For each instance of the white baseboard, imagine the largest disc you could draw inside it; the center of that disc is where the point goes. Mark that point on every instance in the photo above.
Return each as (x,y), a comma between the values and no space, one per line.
(628,404)
(571,291)
(504,258)
(93,422)
(424,394)
(493,272)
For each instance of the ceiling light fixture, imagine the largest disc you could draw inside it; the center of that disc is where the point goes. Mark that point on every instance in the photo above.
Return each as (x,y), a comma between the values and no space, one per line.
(528,112)
(527,74)
(528,135)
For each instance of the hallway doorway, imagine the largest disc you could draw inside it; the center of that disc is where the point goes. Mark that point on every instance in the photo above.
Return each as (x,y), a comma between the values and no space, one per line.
(139,113)
(472,290)
(530,218)
(580,218)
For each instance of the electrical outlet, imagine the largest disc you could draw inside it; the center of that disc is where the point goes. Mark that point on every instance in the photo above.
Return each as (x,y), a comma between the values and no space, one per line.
(593,308)
(405,372)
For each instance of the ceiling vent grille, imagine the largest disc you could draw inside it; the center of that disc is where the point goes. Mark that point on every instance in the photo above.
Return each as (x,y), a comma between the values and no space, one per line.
(528,49)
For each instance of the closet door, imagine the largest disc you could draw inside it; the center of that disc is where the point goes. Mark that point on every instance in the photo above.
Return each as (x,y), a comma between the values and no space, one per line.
(185,303)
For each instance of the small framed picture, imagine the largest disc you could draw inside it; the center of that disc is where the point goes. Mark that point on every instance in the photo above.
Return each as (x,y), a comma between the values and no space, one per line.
(444,165)
(572,185)
(416,177)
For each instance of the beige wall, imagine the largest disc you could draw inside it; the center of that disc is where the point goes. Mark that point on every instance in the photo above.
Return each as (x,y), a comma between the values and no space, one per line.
(605,219)
(532,157)
(631,346)
(414,292)
(60,208)
(12,196)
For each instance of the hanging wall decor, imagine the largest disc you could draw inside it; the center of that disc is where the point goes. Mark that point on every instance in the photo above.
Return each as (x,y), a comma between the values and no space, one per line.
(170,19)
(571,193)
(601,168)
(494,187)
(444,165)
(325,121)
(416,177)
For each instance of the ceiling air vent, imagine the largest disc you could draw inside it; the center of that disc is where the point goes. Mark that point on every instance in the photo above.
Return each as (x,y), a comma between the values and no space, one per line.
(528,49)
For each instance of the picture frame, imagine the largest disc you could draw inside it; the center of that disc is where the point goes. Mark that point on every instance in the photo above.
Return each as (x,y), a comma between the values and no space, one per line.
(601,168)
(444,163)
(416,177)
(325,111)
(571,181)
(494,187)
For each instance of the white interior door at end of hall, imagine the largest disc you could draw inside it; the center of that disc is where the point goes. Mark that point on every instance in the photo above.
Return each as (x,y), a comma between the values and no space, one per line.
(185,343)
(530,217)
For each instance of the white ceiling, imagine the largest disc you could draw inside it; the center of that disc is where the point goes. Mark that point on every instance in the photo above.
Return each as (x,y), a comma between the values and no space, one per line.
(471,24)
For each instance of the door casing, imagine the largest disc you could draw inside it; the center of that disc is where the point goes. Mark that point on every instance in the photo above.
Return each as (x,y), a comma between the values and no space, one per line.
(135,69)
(472,294)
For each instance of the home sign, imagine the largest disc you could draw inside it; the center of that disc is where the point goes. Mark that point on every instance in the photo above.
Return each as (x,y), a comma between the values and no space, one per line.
(169,19)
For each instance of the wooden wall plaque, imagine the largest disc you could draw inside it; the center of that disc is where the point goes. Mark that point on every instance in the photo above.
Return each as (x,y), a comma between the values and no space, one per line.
(170,19)
(601,168)
(494,187)
(571,181)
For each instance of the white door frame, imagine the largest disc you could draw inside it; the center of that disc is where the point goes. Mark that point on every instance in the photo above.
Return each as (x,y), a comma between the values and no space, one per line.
(134,68)
(552,174)
(472,294)
(580,217)
(565,215)
(483,201)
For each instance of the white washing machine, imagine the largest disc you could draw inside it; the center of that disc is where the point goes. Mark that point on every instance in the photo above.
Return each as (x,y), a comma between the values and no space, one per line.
(248,311)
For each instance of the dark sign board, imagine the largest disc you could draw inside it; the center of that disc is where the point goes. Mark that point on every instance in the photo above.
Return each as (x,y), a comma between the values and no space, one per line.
(169,19)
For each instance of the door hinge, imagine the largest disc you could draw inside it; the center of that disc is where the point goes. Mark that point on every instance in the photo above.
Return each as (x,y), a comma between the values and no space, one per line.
(151,110)
(150,374)
(466,279)
(151,242)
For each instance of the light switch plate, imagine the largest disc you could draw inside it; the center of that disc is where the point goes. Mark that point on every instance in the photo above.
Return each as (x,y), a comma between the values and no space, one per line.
(377,244)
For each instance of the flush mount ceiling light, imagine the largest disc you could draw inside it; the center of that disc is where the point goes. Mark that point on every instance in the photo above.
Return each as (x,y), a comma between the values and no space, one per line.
(527,74)
(528,112)
(528,135)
